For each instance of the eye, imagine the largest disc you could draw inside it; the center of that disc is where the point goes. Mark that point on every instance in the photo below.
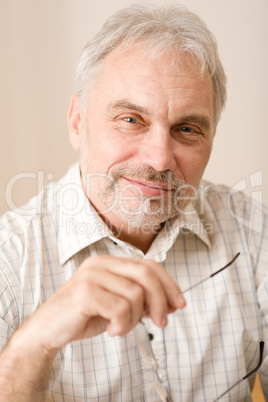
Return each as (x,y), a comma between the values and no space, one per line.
(130,123)
(187,133)
(131,120)
(189,130)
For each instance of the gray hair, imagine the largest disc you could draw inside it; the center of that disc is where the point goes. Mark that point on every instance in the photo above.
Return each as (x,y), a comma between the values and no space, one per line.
(160,28)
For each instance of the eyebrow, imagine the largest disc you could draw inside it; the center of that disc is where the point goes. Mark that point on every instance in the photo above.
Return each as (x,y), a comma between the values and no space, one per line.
(195,118)
(125,104)
(191,118)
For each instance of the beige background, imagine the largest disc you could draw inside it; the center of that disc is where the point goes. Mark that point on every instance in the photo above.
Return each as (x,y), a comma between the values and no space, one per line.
(40,45)
(40,42)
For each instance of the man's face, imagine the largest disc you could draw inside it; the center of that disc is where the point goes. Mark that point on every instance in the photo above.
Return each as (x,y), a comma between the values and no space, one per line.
(149,126)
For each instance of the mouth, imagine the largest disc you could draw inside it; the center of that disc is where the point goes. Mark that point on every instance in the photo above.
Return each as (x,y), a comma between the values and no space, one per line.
(149,188)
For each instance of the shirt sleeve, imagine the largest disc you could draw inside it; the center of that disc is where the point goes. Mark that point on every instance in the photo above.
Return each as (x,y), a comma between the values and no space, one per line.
(8,310)
(10,292)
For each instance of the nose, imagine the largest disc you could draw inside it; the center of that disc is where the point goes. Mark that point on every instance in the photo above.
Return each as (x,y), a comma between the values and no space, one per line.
(157,150)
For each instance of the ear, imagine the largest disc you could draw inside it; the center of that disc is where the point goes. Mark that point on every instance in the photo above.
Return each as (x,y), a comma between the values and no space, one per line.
(75,122)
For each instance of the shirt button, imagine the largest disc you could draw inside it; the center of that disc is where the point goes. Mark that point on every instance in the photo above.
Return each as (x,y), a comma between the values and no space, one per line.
(161,376)
(150,336)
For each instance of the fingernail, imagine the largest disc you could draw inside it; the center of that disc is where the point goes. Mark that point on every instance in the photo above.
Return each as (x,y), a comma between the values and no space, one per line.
(164,321)
(181,300)
(111,330)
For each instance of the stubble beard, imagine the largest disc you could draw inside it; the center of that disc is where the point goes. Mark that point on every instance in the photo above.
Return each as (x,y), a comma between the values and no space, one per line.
(131,205)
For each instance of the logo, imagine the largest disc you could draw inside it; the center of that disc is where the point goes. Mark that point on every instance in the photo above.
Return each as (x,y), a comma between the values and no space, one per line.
(253,186)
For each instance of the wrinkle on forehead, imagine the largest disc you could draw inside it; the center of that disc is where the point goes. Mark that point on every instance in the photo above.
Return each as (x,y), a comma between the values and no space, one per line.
(157,87)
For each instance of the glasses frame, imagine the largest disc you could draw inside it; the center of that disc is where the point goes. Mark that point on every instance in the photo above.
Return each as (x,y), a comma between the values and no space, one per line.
(246,376)
(215,273)
(142,338)
(161,384)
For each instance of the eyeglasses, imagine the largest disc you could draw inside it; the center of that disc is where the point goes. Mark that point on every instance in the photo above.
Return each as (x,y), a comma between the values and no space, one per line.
(215,273)
(246,376)
(160,383)
(143,340)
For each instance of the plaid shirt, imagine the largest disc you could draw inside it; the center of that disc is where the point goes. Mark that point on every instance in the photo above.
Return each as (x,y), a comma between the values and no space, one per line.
(205,347)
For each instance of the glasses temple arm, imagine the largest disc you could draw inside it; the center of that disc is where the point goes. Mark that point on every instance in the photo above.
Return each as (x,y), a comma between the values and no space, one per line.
(211,276)
(225,266)
(260,362)
(246,376)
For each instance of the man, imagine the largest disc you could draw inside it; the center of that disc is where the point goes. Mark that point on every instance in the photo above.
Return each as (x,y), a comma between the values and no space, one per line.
(105,255)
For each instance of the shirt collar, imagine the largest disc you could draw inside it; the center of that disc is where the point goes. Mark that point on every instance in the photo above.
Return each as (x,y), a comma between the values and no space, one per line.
(79,225)
(190,220)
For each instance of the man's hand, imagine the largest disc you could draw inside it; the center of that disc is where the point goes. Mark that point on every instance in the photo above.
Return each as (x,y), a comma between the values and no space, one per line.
(105,294)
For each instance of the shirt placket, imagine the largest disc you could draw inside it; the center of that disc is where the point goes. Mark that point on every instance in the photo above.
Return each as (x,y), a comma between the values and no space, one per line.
(149,376)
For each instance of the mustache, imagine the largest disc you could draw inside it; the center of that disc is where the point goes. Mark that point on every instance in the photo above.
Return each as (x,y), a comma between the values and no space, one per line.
(147,173)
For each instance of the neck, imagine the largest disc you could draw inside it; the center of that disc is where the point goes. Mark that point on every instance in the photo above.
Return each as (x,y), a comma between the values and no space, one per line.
(140,236)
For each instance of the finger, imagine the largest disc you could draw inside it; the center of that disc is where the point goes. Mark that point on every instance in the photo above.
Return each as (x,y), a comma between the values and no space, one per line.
(126,288)
(93,302)
(141,272)
(115,309)
(172,291)
(86,306)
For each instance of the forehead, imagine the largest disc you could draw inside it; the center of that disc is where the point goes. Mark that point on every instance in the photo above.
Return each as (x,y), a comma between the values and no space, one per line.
(159,82)
(166,64)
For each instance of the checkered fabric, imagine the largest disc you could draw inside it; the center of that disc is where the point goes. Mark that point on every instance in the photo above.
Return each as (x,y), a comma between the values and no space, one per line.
(205,347)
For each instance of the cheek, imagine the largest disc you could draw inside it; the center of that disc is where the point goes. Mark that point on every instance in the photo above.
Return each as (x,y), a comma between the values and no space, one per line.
(103,152)
(193,164)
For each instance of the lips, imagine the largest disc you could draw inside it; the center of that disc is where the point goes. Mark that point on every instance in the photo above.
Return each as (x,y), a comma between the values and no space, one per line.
(149,188)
